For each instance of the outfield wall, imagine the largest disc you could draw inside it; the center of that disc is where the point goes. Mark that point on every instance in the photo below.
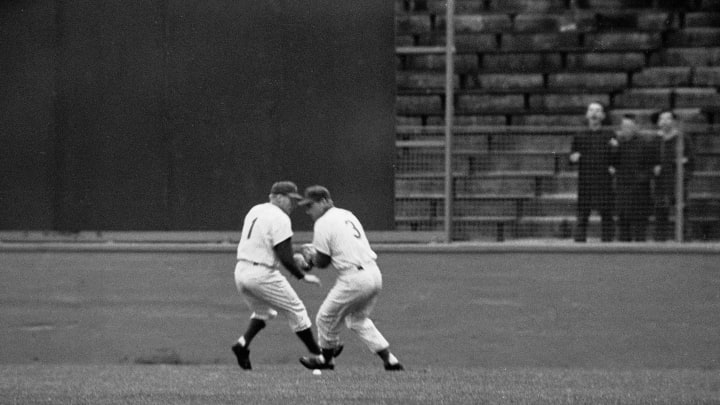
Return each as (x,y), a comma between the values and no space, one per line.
(179,115)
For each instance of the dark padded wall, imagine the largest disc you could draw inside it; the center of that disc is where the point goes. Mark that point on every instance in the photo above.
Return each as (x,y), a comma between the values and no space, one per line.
(179,115)
(296,90)
(110,115)
(26,114)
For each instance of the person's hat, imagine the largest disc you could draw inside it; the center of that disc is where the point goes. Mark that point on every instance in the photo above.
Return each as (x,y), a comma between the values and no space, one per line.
(315,194)
(287,188)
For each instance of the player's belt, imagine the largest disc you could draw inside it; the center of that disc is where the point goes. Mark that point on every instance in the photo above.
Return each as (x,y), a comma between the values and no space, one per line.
(254,263)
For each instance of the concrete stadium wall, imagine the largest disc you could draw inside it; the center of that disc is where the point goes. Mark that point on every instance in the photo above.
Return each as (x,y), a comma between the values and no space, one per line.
(593,308)
(176,115)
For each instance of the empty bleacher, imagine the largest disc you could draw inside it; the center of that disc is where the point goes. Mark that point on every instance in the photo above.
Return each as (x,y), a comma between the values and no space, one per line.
(521,85)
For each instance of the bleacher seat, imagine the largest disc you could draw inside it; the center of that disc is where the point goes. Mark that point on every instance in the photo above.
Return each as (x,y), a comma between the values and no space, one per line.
(706,76)
(548,120)
(708,5)
(629,61)
(577,101)
(696,96)
(655,98)
(477,23)
(521,62)
(702,19)
(483,103)
(662,77)
(419,104)
(508,81)
(553,41)
(516,6)
(419,81)
(694,37)
(588,80)
(708,56)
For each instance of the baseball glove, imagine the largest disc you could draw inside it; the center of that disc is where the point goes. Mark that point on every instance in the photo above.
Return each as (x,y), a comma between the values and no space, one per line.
(309,253)
(301,262)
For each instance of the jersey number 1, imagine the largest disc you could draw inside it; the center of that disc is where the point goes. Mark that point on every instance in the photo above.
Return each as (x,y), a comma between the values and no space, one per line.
(251,228)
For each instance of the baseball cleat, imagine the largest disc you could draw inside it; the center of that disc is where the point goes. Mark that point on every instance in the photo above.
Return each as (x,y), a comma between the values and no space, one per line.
(243,356)
(313,363)
(329,354)
(394,367)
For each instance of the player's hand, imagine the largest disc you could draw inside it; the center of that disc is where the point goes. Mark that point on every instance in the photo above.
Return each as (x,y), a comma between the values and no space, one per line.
(309,252)
(611,170)
(311,279)
(574,157)
(301,262)
(614,143)
(657,170)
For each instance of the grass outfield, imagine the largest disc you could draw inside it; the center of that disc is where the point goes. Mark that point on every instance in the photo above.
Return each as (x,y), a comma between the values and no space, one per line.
(291,384)
(155,327)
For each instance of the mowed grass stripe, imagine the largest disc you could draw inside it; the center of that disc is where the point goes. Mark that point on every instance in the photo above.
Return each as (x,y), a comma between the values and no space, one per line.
(221,384)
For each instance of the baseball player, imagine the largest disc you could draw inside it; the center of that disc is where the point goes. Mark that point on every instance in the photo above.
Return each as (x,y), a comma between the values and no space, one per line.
(339,239)
(264,245)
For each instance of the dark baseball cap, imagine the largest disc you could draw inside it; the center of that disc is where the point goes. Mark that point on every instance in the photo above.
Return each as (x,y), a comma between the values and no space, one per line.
(315,194)
(287,188)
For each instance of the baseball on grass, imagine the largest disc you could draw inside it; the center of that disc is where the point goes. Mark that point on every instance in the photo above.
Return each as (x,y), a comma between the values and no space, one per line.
(317,372)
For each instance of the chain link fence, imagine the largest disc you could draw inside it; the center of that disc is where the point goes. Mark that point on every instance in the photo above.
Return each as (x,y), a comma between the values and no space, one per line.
(519,183)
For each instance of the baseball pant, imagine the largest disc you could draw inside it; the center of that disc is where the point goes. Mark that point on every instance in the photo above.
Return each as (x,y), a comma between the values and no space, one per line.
(351,300)
(267,292)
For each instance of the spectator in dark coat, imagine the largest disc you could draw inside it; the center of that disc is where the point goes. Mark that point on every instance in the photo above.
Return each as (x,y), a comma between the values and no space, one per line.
(668,137)
(635,162)
(592,151)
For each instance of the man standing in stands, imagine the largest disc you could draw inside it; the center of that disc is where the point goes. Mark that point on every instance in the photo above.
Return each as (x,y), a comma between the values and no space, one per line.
(592,151)
(667,188)
(636,157)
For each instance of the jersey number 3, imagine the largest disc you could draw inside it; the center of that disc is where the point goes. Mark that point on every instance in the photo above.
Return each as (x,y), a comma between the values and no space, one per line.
(356,232)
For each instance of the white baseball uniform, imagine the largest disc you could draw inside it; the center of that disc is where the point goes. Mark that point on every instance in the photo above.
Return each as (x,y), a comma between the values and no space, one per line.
(257,273)
(339,234)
